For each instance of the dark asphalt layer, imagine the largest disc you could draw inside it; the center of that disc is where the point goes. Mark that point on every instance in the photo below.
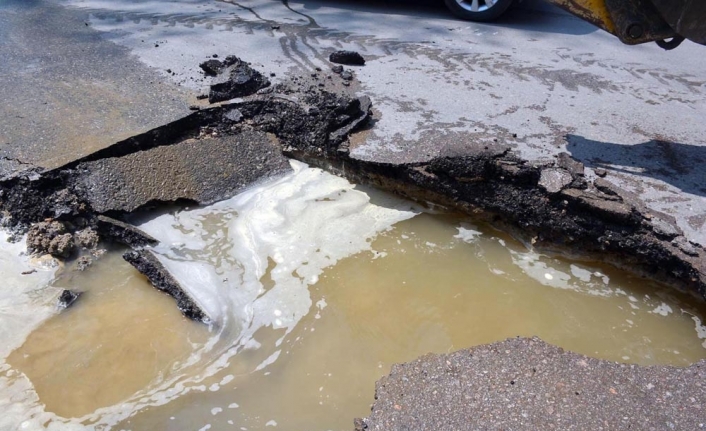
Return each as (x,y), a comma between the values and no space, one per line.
(56,67)
(527,384)
(204,171)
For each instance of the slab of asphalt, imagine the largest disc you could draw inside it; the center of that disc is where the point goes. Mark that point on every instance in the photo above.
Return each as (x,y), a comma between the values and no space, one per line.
(527,384)
(68,91)
(203,171)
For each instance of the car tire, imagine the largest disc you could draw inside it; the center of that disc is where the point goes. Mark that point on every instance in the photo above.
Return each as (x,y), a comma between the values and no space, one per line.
(485,10)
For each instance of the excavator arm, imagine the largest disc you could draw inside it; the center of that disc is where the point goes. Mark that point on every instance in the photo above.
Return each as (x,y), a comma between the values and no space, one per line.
(667,22)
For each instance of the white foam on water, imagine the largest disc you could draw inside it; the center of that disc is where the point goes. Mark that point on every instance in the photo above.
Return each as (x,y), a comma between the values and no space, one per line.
(553,273)
(662,309)
(247,261)
(700,329)
(293,227)
(26,300)
(468,233)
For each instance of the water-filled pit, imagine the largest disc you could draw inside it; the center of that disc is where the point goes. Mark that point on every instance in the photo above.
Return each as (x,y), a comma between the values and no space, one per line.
(314,288)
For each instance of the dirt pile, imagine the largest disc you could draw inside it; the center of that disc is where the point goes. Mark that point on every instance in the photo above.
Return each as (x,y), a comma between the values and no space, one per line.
(50,237)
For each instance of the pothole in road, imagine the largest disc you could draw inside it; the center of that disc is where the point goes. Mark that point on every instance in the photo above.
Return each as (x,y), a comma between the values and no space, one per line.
(314,287)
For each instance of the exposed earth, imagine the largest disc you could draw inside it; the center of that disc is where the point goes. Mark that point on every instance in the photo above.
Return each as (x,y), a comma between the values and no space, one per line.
(539,124)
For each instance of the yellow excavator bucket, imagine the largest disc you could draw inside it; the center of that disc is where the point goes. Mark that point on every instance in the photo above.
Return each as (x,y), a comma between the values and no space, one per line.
(593,11)
(667,22)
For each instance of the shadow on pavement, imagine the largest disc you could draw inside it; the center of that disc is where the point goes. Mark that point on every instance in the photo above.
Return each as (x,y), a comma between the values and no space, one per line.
(528,15)
(681,165)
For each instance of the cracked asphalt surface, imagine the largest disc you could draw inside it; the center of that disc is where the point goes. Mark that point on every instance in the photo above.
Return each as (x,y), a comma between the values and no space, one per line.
(538,79)
(79,75)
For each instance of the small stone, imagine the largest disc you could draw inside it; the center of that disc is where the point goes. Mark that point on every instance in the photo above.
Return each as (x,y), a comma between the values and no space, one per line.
(600,172)
(234,115)
(212,67)
(684,245)
(194,108)
(553,180)
(83,262)
(62,245)
(236,79)
(347,75)
(68,298)
(274,27)
(347,57)
(664,228)
(564,160)
(337,68)
(86,238)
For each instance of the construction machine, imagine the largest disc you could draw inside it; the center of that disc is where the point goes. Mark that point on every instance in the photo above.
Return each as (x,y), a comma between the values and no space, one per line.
(667,22)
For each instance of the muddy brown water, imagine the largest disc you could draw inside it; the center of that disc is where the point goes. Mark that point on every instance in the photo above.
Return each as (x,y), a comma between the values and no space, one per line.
(300,347)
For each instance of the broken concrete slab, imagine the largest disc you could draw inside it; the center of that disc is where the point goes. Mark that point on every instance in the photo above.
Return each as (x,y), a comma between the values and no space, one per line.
(212,67)
(148,264)
(527,384)
(203,171)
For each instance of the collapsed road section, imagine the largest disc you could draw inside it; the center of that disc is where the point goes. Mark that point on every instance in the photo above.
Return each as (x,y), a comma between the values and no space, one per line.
(214,153)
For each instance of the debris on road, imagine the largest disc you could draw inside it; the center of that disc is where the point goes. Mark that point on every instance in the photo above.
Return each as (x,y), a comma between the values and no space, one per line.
(350,58)
(68,298)
(148,264)
(234,78)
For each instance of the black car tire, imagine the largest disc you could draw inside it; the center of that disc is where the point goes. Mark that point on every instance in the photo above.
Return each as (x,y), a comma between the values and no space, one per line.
(488,14)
